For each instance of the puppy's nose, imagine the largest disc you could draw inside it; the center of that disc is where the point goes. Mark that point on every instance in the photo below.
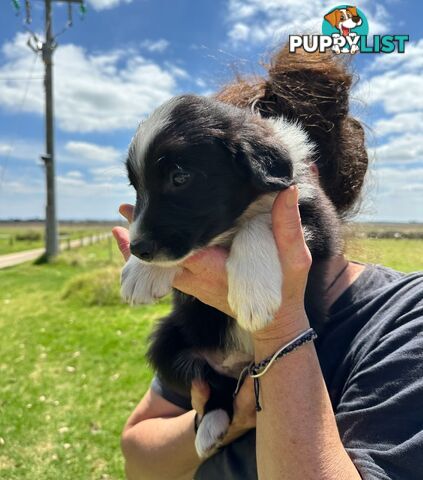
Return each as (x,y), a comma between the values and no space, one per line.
(356,19)
(143,249)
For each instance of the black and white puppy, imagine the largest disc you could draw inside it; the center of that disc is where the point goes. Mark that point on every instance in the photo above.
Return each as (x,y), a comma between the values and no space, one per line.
(206,173)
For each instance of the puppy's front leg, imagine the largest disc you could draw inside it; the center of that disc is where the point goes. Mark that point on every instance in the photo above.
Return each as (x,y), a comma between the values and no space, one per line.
(254,274)
(145,283)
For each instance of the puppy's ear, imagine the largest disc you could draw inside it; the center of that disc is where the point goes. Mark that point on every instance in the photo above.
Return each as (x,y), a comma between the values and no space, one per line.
(333,18)
(353,11)
(268,167)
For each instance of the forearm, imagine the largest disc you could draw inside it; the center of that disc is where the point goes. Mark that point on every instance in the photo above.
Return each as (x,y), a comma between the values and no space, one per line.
(297,435)
(161,448)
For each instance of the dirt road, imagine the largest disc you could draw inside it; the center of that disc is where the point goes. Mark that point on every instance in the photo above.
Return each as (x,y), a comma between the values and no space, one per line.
(16,258)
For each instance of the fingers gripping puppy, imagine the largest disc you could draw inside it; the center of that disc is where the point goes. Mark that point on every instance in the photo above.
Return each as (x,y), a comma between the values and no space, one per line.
(206,173)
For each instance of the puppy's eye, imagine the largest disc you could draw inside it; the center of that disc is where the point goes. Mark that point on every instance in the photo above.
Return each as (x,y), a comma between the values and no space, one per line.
(180,178)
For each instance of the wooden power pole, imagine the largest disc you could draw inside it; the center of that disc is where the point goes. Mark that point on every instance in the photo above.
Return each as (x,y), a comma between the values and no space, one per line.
(52,241)
(47,48)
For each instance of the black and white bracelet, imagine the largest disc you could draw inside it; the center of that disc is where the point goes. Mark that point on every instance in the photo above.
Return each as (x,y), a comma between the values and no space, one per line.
(256,370)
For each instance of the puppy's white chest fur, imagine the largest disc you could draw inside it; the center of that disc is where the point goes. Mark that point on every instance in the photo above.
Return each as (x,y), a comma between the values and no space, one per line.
(230,364)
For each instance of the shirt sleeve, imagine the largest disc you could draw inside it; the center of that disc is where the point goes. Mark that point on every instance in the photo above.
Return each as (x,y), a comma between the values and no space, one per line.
(380,414)
(159,387)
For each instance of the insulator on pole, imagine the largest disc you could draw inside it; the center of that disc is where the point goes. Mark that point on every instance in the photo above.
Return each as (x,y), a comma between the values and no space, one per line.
(70,15)
(83,8)
(28,18)
(17,5)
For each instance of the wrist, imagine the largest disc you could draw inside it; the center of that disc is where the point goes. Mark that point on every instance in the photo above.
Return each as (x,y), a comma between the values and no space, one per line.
(284,327)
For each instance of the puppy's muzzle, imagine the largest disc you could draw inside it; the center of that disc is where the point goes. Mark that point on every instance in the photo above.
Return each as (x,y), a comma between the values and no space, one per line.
(144,249)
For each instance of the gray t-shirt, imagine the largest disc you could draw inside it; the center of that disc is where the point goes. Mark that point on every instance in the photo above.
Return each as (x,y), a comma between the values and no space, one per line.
(371,355)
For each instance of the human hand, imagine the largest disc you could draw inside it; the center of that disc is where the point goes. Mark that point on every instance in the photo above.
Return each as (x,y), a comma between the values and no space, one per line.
(295,259)
(204,275)
(244,417)
(121,234)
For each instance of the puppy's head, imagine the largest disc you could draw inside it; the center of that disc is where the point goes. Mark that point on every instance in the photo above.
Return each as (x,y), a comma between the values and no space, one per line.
(344,19)
(196,164)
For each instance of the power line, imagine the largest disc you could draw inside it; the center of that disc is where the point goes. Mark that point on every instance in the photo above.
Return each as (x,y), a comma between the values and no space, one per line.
(17,79)
(21,104)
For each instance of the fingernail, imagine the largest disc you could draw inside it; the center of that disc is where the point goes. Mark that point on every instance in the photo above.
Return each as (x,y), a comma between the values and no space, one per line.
(292,197)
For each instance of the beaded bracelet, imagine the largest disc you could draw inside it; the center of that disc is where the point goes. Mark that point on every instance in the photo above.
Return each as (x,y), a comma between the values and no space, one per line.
(256,370)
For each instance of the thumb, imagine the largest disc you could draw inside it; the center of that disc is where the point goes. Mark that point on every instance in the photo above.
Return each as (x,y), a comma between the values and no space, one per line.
(200,392)
(122,238)
(287,229)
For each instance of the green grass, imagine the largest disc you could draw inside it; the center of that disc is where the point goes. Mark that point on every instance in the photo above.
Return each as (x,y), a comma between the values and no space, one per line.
(70,370)
(401,254)
(72,362)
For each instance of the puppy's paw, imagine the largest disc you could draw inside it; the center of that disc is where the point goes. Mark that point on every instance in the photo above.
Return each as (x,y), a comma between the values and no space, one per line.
(336,49)
(254,275)
(254,290)
(212,429)
(254,299)
(144,283)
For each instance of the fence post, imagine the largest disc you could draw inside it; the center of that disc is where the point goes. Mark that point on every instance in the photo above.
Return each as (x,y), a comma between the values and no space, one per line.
(110,244)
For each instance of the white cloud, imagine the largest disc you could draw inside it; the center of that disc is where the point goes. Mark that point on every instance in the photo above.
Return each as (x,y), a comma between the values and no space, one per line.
(5,149)
(240,32)
(93,92)
(106,4)
(395,86)
(400,149)
(411,60)
(400,123)
(21,149)
(397,91)
(73,152)
(395,196)
(74,174)
(109,174)
(22,187)
(270,21)
(155,45)
(79,195)
(90,152)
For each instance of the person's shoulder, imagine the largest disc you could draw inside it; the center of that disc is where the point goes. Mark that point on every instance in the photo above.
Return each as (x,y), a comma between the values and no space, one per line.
(381,302)
(378,285)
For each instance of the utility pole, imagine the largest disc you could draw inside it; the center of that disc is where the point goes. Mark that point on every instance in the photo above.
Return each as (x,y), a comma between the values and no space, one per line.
(52,242)
(47,48)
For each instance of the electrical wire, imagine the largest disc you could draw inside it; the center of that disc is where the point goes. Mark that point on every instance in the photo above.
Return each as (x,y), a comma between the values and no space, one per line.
(16,79)
(19,109)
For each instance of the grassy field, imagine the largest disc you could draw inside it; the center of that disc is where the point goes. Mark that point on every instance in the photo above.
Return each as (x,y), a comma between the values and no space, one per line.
(72,360)
(16,237)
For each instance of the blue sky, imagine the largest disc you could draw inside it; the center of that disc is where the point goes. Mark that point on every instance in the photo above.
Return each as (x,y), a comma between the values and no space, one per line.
(126,57)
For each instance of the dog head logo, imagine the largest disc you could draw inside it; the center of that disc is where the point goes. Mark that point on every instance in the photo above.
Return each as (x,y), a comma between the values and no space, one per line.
(344,19)
(345,24)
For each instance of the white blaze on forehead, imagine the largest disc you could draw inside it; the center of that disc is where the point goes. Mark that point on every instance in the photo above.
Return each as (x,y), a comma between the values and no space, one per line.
(150,128)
